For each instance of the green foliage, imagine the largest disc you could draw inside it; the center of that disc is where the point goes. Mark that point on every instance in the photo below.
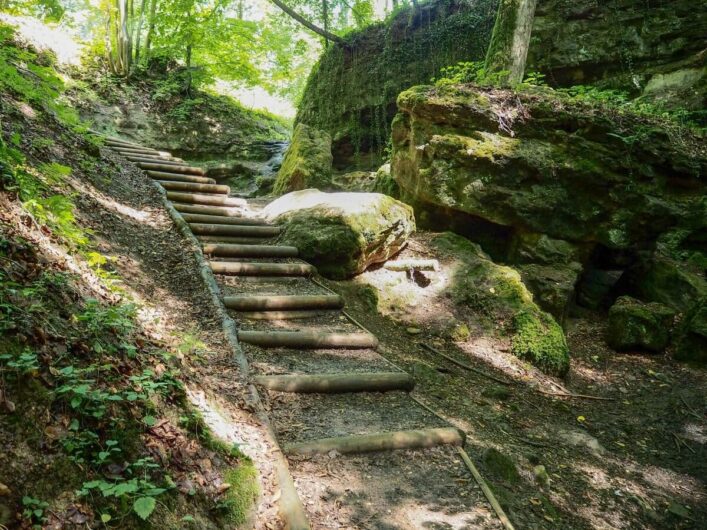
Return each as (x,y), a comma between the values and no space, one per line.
(242,494)
(34,509)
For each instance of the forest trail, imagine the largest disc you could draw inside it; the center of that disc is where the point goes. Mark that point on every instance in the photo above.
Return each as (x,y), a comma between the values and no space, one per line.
(327,391)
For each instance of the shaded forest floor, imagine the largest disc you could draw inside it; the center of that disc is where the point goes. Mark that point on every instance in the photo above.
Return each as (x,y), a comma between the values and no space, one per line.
(637,461)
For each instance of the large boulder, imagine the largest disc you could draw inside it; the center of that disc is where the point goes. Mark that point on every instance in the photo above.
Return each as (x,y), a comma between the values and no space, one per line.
(497,295)
(342,233)
(637,325)
(307,162)
(539,161)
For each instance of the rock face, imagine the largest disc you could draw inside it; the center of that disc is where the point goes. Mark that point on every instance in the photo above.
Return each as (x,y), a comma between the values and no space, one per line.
(351,92)
(497,294)
(342,233)
(650,49)
(635,325)
(538,163)
(307,162)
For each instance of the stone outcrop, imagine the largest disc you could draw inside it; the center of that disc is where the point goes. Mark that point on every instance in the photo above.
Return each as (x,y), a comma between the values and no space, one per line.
(307,162)
(496,295)
(342,234)
(651,49)
(540,163)
(639,326)
(351,92)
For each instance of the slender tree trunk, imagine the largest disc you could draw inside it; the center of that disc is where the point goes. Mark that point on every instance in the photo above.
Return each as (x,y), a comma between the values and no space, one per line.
(150,28)
(138,31)
(306,23)
(123,38)
(325,17)
(188,65)
(508,50)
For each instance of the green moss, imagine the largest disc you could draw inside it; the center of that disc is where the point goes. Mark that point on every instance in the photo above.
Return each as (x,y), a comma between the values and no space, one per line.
(244,491)
(499,50)
(307,162)
(540,340)
(501,466)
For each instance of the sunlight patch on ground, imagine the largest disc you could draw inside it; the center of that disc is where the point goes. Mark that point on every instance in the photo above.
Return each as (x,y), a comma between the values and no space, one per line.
(43,37)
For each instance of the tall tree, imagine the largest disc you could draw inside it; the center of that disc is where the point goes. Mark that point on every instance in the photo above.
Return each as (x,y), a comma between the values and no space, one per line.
(508,50)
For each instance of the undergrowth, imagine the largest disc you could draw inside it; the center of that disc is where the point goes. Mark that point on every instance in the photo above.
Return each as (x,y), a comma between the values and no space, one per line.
(84,389)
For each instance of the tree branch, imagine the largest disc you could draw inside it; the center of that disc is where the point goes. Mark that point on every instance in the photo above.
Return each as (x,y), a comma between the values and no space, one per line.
(306,23)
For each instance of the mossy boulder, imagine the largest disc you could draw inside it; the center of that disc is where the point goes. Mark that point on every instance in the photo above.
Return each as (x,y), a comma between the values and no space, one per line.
(538,161)
(307,162)
(691,337)
(637,325)
(342,234)
(356,181)
(668,281)
(497,294)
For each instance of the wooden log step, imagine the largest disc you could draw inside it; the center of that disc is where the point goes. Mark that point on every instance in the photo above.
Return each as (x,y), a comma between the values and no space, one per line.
(235,268)
(272,302)
(234,230)
(233,240)
(367,443)
(283,315)
(149,159)
(187,170)
(208,210)
(123,143)
(194,186)
(200,198)
(138,150)
(338,383)
(222,220)
(176,177)
(308,339)
(250,251)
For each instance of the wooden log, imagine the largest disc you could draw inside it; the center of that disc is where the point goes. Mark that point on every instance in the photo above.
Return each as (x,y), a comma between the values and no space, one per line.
(188,170)
(271,302)
(412,264)
(194,187)
(250,251)
(283,315)
(261,269)
(234,230)
(149,159)
(223,220)
(366,443)
(308,339)
(200,198)
(233,240)
(208,210)
(338,383)
(123,143)
(131,151)
(176,177)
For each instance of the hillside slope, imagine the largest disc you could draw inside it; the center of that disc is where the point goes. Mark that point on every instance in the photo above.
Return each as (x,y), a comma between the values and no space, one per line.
(103,332)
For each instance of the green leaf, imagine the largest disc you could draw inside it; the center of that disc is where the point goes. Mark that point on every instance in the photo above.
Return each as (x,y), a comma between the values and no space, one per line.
(143,507)
(105,517)
(149,420)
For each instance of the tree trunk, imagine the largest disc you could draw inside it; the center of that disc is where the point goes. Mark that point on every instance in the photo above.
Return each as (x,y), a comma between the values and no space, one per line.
(150,28)
(123,38)
(306,23)
(508,49)
(138,31)
(325,17)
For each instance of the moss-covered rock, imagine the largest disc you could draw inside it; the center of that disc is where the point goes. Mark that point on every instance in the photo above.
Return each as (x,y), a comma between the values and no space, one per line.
(307,162)
(636,325)
(540,162)
(342,233)
(691,341)
(665,280)
(496,293)
(356,181)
